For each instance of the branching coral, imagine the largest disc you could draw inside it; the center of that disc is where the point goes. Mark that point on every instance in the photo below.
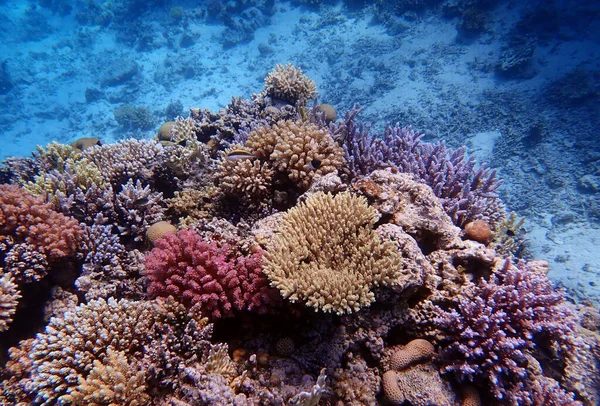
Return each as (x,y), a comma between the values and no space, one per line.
(65,352)
(498,321)
(129,159)
(30,220)
(193,271)
(289,84)
(115,381)
(245,176)
(327,255)
(138,207)
(466,192)
(300,150)
(9,299)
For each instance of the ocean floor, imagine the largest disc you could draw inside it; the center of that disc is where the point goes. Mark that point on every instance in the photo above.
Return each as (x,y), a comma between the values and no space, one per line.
(520,90)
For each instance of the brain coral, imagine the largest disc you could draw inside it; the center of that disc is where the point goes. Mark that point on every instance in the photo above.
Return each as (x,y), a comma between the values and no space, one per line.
(327,254)
(289,84)
(298,149)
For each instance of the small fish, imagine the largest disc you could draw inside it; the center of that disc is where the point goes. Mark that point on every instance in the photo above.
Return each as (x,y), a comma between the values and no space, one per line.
(142,201)
(314,164)
(239,154)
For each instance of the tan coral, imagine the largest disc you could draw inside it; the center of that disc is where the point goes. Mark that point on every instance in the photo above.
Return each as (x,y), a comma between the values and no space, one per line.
(327,255)
(115,381)
(9,300)
(244,177)
(184,130)
(419,385)
(158,230)
(299,149)
(415,351)
(289,84)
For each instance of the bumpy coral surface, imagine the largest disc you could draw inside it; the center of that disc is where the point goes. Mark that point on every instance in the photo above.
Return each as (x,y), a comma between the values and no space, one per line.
(194,271)
(9,299)
(327,255)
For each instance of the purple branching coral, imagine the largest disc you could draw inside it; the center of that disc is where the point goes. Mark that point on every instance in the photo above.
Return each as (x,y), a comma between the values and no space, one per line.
(466,192)
(498,322)
(138,207)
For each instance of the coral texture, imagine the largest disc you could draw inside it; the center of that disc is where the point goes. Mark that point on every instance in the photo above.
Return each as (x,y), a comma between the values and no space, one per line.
(194,271)
(415,351)
(327,255)
(497,321)
(9,299)
(300,150)
(30,220)
(112,382)
(289,84)
(65,352)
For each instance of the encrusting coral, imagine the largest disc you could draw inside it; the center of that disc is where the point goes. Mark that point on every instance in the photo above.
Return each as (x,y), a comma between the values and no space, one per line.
(327,255)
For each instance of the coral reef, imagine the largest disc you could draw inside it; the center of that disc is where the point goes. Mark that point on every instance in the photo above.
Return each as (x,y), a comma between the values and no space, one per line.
(269,254)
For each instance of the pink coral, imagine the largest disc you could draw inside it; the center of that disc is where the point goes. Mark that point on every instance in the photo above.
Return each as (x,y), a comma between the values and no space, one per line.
(30,220)
(188,268)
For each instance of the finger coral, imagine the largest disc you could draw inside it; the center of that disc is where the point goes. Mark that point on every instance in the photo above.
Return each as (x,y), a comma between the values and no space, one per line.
(289,84)
(327,255)
(30,220)
(194,271)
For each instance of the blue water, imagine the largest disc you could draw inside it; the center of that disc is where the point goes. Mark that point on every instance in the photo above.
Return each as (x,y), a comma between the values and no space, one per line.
(518,83)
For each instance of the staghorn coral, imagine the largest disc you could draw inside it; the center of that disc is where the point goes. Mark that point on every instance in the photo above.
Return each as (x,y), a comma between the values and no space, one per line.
(9,299)
(193,271)
(116,381)
(327,255)
(56,156)
(300,150)
(128,159)
(28,219)
(65,352)
(289,84)
(497,322)
(466,192)
(109,269)
(184,131)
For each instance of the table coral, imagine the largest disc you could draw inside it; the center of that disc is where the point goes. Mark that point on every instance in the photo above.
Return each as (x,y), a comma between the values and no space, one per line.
(327,255)
(193,271)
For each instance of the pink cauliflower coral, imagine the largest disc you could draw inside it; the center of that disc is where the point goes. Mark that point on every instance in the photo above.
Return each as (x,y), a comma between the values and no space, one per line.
(29,219)
(191,270)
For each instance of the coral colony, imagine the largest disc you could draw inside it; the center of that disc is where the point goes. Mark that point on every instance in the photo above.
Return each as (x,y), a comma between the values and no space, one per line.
(273,254)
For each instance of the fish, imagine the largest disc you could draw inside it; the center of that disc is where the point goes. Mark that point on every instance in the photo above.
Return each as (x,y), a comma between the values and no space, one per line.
(239,154)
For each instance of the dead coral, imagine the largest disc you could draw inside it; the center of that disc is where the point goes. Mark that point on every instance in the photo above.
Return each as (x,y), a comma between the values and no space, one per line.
(327,255)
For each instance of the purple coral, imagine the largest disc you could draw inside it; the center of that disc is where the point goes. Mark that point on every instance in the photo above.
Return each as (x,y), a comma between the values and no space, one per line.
(466,192)
(193,271)
(498,321)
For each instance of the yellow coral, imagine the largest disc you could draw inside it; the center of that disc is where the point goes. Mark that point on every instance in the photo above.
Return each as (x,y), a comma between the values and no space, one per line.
(327,254)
